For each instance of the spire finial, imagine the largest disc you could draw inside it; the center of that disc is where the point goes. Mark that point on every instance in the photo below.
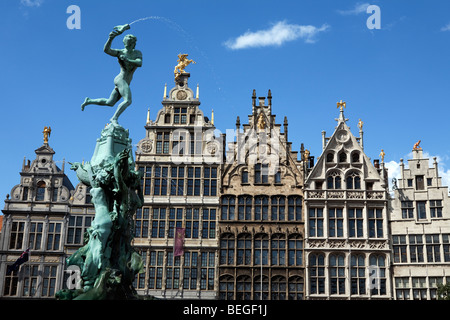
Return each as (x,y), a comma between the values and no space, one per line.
(198,90)
(212,116)
(148,116)
(341,104)
(165,92)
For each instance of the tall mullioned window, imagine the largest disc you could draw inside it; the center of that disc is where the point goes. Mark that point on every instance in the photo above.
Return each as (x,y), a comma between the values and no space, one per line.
(355,223)
(278,208)
(177,181)
(358,275)
(436,208)
(160,181)
(162,142)
(379,262)
(294,208)
(261,173)
(375,223)
(336,222)
(244,208)
(337,274)
(16,236)
(228,208)
(334,181)
(54,236)
(209,223)
(416,248)
(210,181)
(158,223)
(317,273)
(407,209)
(192,223)
(36,231)
(295,250)
(261,208)
(433,248)
(76,229)
(316,222)
(399,248)
(227,250)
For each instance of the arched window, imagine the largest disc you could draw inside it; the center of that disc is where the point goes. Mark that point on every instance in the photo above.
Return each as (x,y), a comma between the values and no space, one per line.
(257,288)
(317,273)
(342,157)
(358,274)
(295,288)
(227,249)
(337,274)
(278,288)
(261,250)
(244,288)
(355,157)
(40,191)
(228,207)
(244,249)
(353,181)
(334,180)
(330,157)
(244,176)
(295,250)
(294,208)
(261,208)
(278,246)
(278,208)
(226,288)
(244,208)
(377,274)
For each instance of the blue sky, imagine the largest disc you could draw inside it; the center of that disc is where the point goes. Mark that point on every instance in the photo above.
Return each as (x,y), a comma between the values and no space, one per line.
(311,54)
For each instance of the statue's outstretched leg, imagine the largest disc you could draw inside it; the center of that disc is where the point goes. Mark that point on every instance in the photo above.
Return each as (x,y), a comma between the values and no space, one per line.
(111,101)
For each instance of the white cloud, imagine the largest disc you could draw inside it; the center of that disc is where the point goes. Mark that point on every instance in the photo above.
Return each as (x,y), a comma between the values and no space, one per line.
(446,27)
(280,33)
(357,9)
(31,3)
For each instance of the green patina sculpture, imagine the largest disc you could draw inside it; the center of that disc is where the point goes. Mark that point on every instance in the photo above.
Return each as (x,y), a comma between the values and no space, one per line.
(107,262)
(129,60)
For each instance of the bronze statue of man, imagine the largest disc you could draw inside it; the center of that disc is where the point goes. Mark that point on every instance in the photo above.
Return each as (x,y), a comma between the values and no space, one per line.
(129,60)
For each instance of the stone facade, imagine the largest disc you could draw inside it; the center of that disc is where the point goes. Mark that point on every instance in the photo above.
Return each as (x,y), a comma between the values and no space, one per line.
(36,216)
(261,221)
(420,230)
(180,163)
(346,225)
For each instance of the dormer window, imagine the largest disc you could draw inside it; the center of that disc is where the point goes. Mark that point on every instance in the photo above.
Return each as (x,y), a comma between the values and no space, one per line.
(40,191)
(334,181)
(342,157)
(330,157)
(353,181)
(355,157)
(180,115)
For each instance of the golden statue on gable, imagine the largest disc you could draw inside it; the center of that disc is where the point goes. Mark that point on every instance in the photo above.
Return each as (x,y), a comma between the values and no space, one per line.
(341,104)
(261,122)
(183,62)
(47,131)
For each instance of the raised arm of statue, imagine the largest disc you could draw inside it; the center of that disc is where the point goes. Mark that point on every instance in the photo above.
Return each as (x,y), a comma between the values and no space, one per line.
(107,48)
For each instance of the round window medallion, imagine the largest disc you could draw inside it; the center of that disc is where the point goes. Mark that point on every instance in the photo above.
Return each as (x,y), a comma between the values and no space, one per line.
(342,136)
(181,95)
